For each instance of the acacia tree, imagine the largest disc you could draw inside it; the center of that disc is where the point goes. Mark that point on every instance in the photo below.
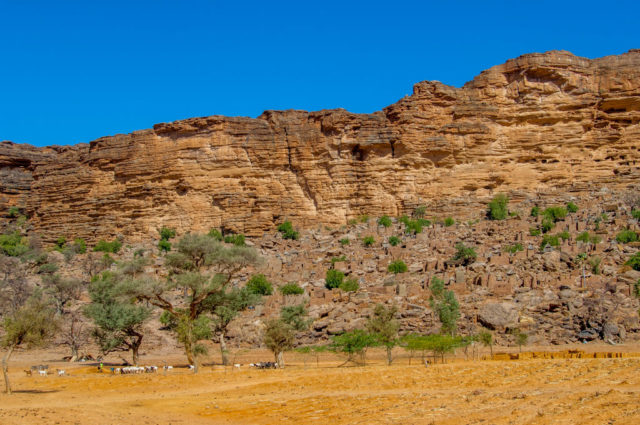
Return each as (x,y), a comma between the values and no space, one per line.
(353,343)
(201,266)
(280,333)
(225,305)
(384,327)
(31,325)
(119,319)
(444,302)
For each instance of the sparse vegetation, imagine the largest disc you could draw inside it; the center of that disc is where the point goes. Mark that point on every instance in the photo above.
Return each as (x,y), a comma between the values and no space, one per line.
(344,241)
(635,213)
(291,289)
(384,221)
(449,222)
(368,241)
(465,254)
(634,261)
(259,285)
(333,279)
(397,266)
(235,239)
(420,211)
(594,262)
(383,325)
(627,236)
(535,211)
(512,249)
(572,208)
(394,240)
(555,214)
(108,247)
(535,232)
(216,234)
(349,285)
(551,240)
(444,303)
(498,207)
(352,344)
(339,259)
(287,231)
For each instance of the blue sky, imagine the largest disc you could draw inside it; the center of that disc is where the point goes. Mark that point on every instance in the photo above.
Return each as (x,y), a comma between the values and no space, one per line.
(73,71)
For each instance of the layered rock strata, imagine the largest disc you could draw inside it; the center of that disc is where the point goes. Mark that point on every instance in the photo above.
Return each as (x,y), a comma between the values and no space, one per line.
(538,123)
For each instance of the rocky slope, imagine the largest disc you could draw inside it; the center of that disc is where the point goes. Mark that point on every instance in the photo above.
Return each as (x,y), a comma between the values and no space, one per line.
(538,123)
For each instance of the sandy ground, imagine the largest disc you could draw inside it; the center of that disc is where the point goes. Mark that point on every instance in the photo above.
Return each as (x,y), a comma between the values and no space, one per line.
(536,391)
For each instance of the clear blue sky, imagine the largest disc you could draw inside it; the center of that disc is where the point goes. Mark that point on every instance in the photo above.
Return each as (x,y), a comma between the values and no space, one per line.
(73,71)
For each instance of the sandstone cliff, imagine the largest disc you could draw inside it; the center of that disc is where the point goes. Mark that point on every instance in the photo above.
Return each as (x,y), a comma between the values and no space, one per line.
(538,123)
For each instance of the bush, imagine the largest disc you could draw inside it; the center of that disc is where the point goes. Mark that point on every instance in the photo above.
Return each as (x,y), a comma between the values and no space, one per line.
(384,221)
(394,240)
(498,207)
(60,243)
(291,289)
(583,237)
(164,245)
(512,249)
(344,241)
(287,231)
(349,285)
(552,240)
(259,285)
(466,254)
(364,218)
(635,214)
(555,214)
(48,268)
(535,232)
(594,262)
(420,211)
(535,211)
(13,212)
(216,234)
(564,235)
(79,246)
(333,279)
(397,266)
(108,247)
(636,289)
(634,261)
(167,233)
(237,240)
(368,241)
(547,225)
(572,208)
(449,221)
(627,236)
(339,259)
(13,245)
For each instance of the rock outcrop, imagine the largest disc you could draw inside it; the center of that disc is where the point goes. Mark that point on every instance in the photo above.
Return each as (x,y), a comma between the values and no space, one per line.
(538,123)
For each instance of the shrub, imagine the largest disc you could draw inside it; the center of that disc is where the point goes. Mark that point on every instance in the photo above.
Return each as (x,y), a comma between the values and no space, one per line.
(498,207)
(333,279)
(420,211)
(344,241)
(465,253)
(79,246)
(48,268)
(552,240)
(635,214)
(636,289)
(13,212)
(412,226)
(291,289)
(237,240)
(164,245)
(384,221)
(13,245)
(535,232)
(108,247)
(60,243)
(394,240)
(564,235)
(444,303)
(424,222)
(595,239)
(368,241)
(259,285)
(627,236)
(594,262)
(349,285)
(216,234)
(547,225)
(352,222)
(634,261)
(167,233)
(572,208)
(287,231)
(397,266)
(339,259)
(583,237)
(512,249)
(449,221)
(555,213)
(535,211)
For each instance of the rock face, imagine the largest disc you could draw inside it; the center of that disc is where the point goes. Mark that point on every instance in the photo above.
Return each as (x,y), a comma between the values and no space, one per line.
(534,124)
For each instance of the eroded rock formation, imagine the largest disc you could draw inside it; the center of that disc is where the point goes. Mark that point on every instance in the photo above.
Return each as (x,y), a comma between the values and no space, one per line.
(537,123)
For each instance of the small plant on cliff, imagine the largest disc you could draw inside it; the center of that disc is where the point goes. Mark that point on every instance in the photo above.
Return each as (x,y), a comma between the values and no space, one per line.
(368,241)
(216,234)
(594,262)
(552,240)
(555,214)
(384,221)
(635,214)
(634,261)
(79,246)
(259,285)
(13,244)
(444,303)
(636,289)
(572,208)
(108,247)
(627,236)
(339,259)
(420,211)
(449,221)
(465,253)
(364,218)
(344,241)
(237,240)
(164,245)
(287,231)
(349,285)
(394,240)
(497,209)
(333,279)
(13,212)
(291,289)
(535,232)
(397,266)
(564,235)
(512,249)
(165,234)
(535,211)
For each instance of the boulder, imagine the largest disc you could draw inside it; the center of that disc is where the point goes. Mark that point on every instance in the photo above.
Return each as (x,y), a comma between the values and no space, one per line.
(498,316)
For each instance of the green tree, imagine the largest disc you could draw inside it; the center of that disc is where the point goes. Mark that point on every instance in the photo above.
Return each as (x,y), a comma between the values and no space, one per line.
(555,214)
(397,266)
(486,338)
(167,233)
(31,325)
(287,231)
(258,284)
(465,254)
(449,222)
(384,221)
(627,236)
(368,241)
(353,343)
(108,247)
(383,325)
(394,240)
(279,337)
(291,289)
(119,320)
(572,208)
(498,207)
(333,279)
(521,338)
(444,303)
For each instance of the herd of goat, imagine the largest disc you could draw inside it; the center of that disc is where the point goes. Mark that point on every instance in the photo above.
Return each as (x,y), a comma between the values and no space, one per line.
(43,370)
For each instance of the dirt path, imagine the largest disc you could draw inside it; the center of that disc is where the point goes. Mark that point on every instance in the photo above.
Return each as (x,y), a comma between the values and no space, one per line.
(565,391)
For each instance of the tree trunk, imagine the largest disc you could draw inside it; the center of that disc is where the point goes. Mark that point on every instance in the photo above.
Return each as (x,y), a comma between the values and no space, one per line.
(280,360)
(223,349)
(74,352)
(389,357)
(134,353)
(5,369)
